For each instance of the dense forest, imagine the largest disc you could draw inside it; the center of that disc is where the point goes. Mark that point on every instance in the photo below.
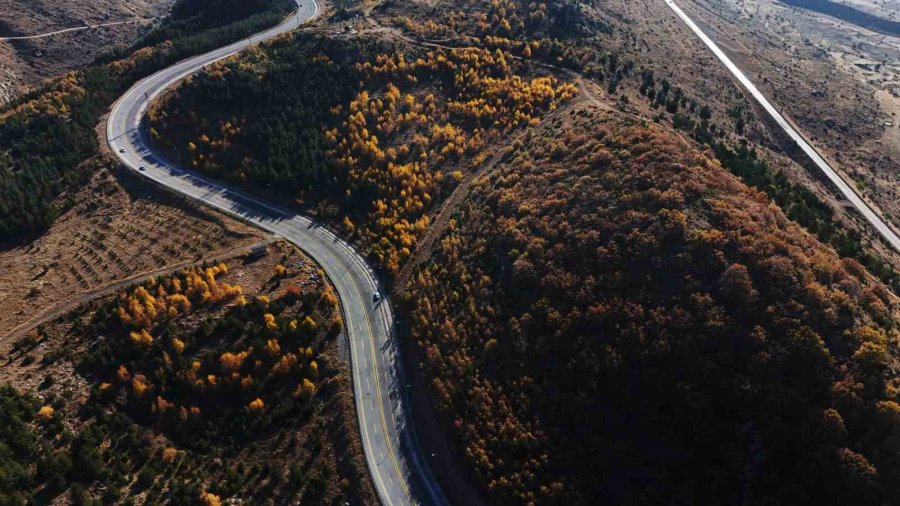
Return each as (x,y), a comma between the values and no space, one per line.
(49,133)
(196,392)
(611,316)
(271,134)
(396,129)
(560,34)
(614,318)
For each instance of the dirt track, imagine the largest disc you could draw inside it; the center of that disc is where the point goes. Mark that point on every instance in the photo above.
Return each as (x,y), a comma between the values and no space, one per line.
(58,310)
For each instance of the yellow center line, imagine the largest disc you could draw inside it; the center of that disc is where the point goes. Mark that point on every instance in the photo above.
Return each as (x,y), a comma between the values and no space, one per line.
(362,414)
(380,403)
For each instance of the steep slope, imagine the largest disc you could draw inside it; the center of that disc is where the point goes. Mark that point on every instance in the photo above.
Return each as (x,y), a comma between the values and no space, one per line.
(185,389)
(38,16)
(49,134)
(612,317)
(25,63)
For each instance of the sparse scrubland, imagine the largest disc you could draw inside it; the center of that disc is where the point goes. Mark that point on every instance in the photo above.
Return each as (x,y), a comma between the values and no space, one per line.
(26,63)
(187,389)
(115,229)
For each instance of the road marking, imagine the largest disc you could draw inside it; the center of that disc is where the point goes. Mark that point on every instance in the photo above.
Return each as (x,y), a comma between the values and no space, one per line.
(380,402)
(269,217)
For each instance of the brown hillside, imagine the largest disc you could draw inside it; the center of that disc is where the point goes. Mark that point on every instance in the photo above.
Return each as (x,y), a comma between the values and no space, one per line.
(614,318)
(26,63)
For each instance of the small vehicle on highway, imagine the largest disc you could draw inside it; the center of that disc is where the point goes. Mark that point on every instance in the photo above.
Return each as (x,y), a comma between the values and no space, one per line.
(376,297)
(141,168)
(122,150)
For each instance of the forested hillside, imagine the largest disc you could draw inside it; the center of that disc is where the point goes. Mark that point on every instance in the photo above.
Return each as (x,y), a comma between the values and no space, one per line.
(613,318)
(262,121)
(188,389)
(395,130)
(613,315)
(48,134)
(599,42)
(615,291)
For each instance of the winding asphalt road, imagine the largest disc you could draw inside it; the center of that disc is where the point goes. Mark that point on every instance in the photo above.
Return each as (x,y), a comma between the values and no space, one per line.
(883,228)
(399,470)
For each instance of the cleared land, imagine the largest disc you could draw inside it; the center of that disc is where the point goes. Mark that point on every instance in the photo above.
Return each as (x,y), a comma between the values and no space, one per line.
(297,447)
(839,83)
(24,63)
(115,228)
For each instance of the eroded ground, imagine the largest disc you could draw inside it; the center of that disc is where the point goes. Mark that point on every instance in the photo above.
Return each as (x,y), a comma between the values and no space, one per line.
(838,82)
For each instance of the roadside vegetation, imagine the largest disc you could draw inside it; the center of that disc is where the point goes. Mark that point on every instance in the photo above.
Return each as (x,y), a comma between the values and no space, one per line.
(630,304)
(394,132)
(305,145)
(189,389)
(50,133)
(554,33)
(610,315)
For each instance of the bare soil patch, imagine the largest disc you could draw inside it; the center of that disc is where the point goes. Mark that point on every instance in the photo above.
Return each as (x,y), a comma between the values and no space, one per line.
(115,228)
(25,63)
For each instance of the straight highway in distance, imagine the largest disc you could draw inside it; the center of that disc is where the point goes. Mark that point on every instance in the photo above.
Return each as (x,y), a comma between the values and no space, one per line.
(883,228)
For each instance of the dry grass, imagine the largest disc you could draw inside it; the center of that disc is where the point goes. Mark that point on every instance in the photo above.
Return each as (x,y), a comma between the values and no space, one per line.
(24,64)
(112,232)
(803,62)
(329,438)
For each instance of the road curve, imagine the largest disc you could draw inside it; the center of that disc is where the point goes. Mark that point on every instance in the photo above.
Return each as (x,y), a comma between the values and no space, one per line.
(399,470)
(882,227)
